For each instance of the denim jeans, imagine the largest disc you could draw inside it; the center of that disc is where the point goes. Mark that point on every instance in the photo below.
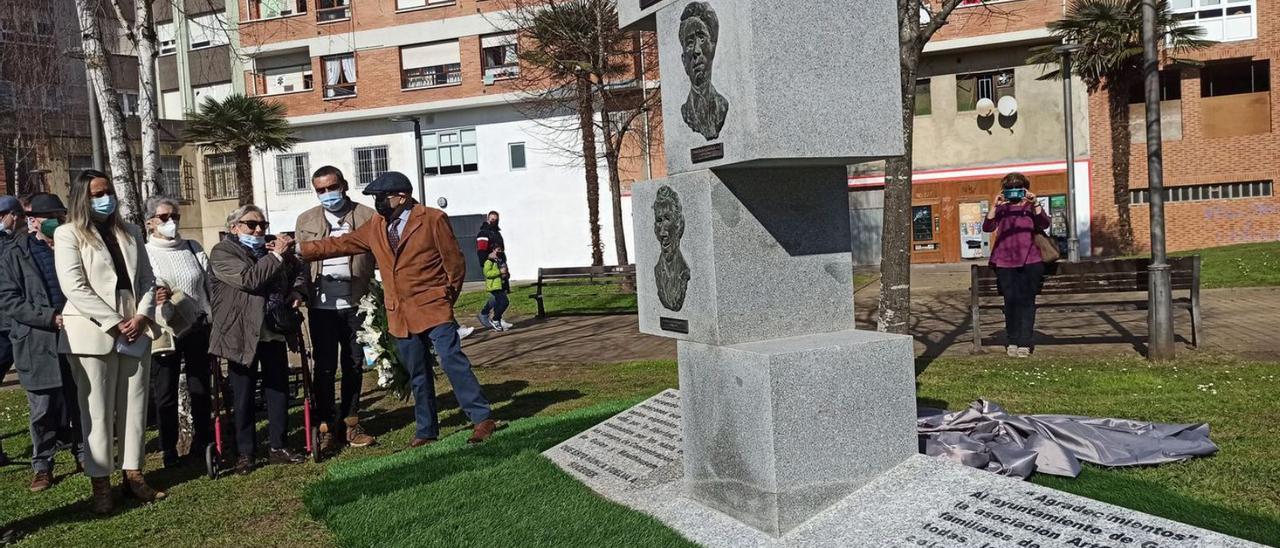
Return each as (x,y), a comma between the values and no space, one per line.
(498,303)
(417,359)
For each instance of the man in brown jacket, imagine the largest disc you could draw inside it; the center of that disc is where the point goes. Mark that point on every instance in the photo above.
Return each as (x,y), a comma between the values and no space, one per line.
(422,274)
(336,286)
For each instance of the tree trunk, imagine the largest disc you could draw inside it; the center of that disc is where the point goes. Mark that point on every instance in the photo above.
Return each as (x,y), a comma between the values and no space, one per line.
(590,159)
(95,59)
(895,259)
(244,175)
(148,113)
(612,149)
(1118,104)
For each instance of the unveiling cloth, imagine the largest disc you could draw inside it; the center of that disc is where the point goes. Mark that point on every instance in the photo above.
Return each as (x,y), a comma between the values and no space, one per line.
(988,437)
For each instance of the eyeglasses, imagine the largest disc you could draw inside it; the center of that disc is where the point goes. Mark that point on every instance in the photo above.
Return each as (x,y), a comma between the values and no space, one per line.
(253,225)
(164,217)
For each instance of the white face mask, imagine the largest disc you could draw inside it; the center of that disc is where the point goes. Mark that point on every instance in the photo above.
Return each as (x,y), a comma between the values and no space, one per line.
(168,229)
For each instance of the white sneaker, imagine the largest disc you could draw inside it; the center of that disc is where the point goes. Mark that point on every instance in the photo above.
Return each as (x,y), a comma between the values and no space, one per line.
(464,331)
(1011,351)
(505,326)
(1024,352)
(497,327)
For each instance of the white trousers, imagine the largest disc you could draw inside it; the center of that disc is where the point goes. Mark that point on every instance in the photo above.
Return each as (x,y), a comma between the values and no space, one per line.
(113,409)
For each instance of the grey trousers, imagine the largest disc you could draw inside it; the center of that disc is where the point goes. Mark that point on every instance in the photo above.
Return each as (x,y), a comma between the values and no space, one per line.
(55,416)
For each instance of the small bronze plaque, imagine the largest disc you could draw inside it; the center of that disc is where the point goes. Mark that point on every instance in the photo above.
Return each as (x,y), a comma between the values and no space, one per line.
(646,3)
(707,153)
(673,325)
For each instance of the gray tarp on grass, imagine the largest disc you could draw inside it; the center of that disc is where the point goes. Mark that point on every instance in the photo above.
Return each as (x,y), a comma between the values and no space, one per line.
(988,437)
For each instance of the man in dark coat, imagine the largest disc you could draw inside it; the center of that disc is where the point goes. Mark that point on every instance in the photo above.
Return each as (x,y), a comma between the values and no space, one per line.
(11,215)
(29,291)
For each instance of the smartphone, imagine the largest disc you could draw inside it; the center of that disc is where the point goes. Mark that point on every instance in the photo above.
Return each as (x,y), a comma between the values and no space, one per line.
(1014,195)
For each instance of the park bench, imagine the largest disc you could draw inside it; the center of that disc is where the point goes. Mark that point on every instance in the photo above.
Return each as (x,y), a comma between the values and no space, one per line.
(598,276)
(1064,282)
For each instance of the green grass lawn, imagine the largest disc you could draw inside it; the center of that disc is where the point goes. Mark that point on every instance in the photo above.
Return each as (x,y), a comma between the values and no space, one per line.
(608,297)
(503,493)
(1247,265)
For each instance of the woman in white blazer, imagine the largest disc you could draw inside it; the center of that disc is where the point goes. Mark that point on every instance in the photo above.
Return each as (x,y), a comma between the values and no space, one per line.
(111,297)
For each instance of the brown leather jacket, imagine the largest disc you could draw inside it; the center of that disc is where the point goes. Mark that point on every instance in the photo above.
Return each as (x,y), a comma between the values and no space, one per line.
(421,279)
(313,226)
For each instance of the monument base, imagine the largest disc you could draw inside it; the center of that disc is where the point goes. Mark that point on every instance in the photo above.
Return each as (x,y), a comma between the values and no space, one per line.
(922,502)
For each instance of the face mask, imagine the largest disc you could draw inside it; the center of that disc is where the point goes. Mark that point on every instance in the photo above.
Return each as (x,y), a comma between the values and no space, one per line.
(383,206)
(48,226)
(168,229)
(253,241)
(333,201)
(104,205)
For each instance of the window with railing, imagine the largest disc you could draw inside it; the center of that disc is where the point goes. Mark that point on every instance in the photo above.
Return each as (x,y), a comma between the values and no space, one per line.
(500,56)
(268,9)
(971,88)
(332,10)
(1222,20)
(220,177)
(430,65)
(450,152)
(171,178)
(371,162)
(339,76)
(291,172)
(1201,193)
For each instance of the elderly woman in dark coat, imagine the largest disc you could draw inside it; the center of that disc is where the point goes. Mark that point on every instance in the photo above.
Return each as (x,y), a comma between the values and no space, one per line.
(254,285)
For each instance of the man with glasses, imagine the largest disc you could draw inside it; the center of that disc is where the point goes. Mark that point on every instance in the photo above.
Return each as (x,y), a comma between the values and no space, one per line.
(336,285)
(33,300)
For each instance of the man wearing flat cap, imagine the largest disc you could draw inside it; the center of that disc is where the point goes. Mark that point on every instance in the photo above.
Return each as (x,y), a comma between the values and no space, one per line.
(33,299)
(422,274)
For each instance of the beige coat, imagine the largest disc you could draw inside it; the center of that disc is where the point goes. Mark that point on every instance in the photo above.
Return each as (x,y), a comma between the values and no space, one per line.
(312,226)
(88,280)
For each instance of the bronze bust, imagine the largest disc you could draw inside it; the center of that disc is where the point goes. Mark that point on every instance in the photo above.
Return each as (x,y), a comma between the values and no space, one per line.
(705,109)
(671,273)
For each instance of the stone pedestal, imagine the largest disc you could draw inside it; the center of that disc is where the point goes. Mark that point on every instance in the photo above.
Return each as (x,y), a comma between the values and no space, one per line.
(777,431)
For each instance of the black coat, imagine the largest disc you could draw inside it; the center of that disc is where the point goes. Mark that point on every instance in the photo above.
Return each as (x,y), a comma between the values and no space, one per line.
(490,237)
(32,329)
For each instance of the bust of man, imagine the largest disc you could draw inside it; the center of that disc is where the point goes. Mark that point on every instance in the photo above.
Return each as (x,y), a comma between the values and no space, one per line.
(671,273)
(705,109)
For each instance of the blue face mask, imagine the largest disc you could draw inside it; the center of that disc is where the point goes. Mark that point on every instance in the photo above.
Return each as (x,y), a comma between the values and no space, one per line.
(333,201)
(253,241)
(104,205)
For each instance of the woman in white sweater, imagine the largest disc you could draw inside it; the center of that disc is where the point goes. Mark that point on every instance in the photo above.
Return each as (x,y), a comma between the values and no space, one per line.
(181,266)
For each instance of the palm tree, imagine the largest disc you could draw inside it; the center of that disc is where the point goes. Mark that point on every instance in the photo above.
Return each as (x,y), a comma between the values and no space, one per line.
(1111,61)
(239,124)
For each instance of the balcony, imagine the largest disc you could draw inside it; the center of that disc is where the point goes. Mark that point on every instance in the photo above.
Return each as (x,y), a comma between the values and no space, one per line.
(430,77)
(332,10)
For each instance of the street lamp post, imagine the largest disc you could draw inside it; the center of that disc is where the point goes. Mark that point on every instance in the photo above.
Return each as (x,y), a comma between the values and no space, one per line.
(1160,294)
(1068,114)
(417,140)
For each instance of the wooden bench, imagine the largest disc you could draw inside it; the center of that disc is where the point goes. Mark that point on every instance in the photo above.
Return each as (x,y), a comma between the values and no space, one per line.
(1107,277)
(581,276)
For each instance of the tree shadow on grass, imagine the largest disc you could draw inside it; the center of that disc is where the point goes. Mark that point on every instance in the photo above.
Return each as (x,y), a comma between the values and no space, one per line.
(507,399)
(1116,487)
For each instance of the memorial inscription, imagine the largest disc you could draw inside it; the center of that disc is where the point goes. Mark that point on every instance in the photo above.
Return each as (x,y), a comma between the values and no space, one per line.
(707,153)
(624,451)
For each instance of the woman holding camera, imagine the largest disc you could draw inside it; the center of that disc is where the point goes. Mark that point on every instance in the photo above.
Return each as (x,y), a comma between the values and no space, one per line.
(1014,222)
(257,287)
(106,277)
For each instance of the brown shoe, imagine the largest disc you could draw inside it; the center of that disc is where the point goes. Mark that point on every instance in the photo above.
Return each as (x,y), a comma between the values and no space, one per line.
(483,430)
(356,437)
(419,442)
(41,482)
(328,442)
(102,502)
(135,486)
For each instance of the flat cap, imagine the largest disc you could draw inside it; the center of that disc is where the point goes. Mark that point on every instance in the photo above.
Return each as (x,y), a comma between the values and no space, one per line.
(389,183)
(9,204)
(45,205)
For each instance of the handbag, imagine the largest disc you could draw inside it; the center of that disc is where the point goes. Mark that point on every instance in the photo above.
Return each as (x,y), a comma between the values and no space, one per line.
(1049,252)
(284,320)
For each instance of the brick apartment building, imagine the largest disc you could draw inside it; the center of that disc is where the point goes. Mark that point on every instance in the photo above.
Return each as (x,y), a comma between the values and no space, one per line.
(356,75)
(1221,151)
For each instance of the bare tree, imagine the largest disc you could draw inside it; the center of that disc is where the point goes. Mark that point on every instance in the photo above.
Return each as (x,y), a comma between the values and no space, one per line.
(113,123)
(35,120)
(577,60)
(140,29)
(918,21)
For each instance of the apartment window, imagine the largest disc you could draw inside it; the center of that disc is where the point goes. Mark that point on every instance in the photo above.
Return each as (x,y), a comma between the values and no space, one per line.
(411,4)
(924,97)
(1222,20)
(332,10)
(1170,88)
(515,153)
(288,79)
(167,38)
(430,65)
(500,56)
(1201,193)
(171,177)
(206,31)
(220,177)
(340,76)
(292,173)
(1234,78)
(267,9)
(77,164)
(217,92)
(450,152)
(370,163)
(971,88)
(128,102)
